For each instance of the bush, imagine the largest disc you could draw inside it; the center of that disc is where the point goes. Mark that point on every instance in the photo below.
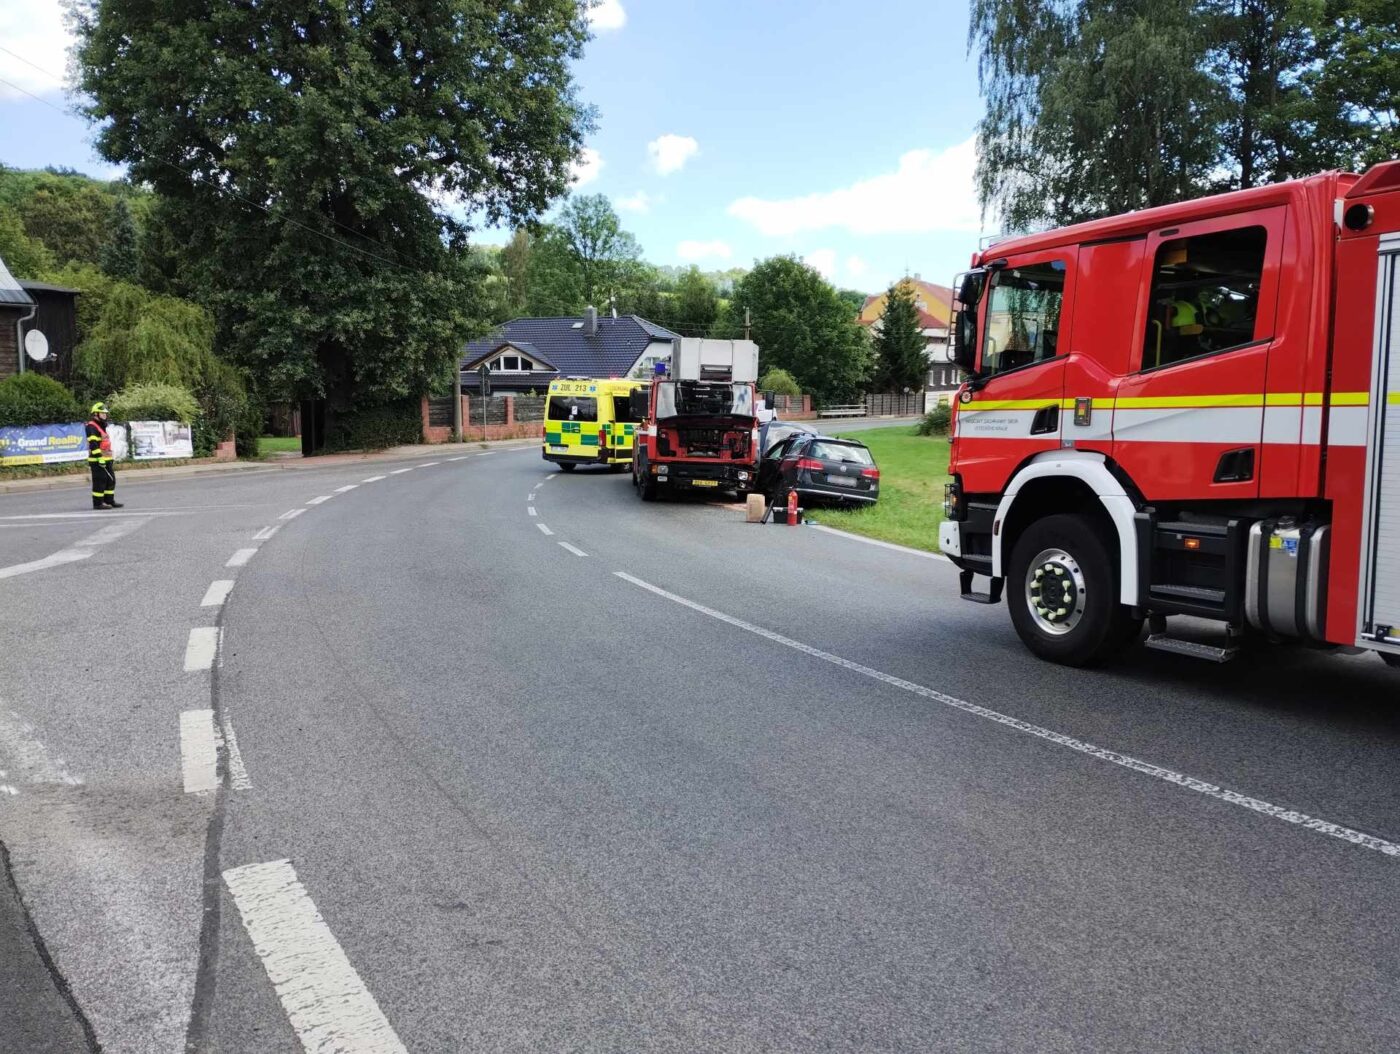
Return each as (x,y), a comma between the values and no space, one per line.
(33,399)
(154,402)
(223,406)
(376,427)
(779,382)
(936,422)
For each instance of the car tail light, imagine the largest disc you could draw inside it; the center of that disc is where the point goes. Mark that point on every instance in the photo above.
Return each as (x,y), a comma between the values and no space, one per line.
(810,464)
(870,473)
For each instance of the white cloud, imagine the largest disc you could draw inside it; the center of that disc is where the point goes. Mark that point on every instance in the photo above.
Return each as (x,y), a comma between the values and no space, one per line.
(607,14)
(36,31)
(929,191)
(824,260)
(856,268)
(587,166)
(693,250)
(638,202)
(669,153)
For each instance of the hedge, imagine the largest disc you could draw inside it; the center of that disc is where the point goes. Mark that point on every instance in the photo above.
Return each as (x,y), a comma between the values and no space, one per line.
(936,421)
(33,399)
(154,402)
(376,427)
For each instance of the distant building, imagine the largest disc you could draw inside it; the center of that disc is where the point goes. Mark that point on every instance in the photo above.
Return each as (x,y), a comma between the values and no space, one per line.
(935,306)
(525,354)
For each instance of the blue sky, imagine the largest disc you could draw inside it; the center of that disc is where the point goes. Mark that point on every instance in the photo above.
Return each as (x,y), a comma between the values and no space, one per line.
(728,131)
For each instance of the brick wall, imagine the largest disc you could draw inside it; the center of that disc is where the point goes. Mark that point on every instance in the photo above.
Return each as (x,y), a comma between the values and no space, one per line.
(501,421)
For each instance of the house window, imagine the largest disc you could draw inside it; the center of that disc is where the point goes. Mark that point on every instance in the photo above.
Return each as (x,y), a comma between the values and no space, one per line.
(513,364)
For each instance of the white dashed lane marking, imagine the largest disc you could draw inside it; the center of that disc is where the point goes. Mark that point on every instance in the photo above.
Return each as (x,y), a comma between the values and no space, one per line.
(291,514)
(532,510)
(462,458)
(543,528)
(201,648)
(428,464)
(572,548)
(241,557)
(317,501)
(217,593)
(1146,768)
(266,533)
(348,486)
(199,759)
(79,550)
(401,471)
(329,1007)
(372,479)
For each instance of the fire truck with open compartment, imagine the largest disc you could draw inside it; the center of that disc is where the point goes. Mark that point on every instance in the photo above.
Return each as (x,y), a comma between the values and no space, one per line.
(1191,410)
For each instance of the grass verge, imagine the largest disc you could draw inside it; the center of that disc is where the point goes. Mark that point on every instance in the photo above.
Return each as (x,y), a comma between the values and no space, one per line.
(278,445)
(913,469)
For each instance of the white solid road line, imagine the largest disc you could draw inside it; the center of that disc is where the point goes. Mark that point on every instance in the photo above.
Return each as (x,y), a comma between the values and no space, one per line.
(572,548)
(79,550)
(348,486)
(1113,757)
(372,479)
(237,774)
(199,758)
(201,648)
(266,533)
(217,593)
(26,758)
(906,550)
(401,471)
(317,501)
(291,514)
(329,1007)
(543,528)
(241,557)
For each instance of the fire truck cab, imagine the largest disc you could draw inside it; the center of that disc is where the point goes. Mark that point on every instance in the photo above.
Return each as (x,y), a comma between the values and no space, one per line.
(1191,410)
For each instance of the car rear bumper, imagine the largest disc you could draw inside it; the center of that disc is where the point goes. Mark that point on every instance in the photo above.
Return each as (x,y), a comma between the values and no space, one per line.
(816,490)
(610,456)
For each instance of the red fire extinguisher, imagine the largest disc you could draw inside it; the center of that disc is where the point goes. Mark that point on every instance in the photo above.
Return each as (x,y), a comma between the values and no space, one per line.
(792,508)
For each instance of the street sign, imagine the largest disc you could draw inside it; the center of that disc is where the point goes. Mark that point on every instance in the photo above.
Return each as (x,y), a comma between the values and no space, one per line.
(484,372)
(36,345)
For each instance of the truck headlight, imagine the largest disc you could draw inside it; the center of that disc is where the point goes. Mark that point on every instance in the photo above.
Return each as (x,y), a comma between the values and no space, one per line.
(743,476)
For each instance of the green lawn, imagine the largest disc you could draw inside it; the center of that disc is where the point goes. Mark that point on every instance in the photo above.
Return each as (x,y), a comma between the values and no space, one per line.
(913,469)
(278,445)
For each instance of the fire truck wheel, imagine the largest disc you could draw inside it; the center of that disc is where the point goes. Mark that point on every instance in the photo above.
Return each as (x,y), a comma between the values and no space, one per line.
(1062,589)
(647,488)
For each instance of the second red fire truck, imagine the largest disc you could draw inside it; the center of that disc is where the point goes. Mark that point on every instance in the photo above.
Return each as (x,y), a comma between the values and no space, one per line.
(1190,411)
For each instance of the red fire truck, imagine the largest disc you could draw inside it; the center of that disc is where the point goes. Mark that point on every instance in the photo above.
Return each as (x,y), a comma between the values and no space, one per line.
(699,419)
(1191,410)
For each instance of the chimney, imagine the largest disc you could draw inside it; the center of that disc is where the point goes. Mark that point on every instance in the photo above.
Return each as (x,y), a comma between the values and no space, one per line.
(590,321)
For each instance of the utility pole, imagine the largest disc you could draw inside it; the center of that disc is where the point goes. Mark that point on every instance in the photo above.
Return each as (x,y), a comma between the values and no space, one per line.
(457,402)
(746,323)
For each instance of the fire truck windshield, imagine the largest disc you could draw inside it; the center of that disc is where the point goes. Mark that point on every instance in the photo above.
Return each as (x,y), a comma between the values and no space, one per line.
(698,399)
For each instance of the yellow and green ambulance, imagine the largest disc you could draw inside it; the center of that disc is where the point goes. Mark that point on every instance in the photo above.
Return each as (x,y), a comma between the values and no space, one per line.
(590,422)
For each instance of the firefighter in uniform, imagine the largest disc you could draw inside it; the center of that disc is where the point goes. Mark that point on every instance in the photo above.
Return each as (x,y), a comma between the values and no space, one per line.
(104,477)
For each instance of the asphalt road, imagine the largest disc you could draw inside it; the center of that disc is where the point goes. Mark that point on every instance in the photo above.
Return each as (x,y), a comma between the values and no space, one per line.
(510,761)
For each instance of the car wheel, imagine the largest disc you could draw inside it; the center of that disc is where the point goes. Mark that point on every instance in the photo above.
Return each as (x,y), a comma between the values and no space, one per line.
(567,466)
(1062,588)
(1389,658)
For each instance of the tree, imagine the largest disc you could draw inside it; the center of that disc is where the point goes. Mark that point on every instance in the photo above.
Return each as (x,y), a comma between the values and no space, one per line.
(779,382)
(901,351)
(801,326)
(24,257)
(696,304)
(606,255)
(70,215)
(515,268)
(1355,84)
(302,148)
(553,278)
(853,299)
(120,257)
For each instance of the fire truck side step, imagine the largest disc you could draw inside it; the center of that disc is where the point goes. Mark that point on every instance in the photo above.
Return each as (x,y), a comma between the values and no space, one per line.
(1209,652)
(992,596)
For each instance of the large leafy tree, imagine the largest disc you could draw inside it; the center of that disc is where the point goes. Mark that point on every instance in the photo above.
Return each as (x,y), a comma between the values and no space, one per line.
(801,326)
(1356,81)
(607,257)
(310,153)
(901,355)
(695,304)
(120,256)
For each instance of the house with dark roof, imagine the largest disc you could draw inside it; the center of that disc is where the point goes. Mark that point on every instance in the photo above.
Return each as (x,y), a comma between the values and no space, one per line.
(525,354)
(50,309)
(16,307)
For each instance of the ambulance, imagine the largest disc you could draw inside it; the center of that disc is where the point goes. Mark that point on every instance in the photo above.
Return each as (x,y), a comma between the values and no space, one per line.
(590,422)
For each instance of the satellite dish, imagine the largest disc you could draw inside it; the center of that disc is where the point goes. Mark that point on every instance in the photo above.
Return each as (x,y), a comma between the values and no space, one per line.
(36,345)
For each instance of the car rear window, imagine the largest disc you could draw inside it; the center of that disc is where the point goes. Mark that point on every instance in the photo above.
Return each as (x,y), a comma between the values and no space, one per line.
(848,452)
(572,408)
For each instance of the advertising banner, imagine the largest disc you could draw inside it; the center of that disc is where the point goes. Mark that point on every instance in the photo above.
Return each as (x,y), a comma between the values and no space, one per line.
(155,440)
(43,444)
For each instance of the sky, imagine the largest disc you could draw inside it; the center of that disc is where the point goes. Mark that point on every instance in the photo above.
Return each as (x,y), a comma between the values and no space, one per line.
(727,130)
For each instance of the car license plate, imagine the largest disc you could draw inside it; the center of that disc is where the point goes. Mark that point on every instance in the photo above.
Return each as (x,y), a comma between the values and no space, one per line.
(704,483)
(558,450)
(841,481)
